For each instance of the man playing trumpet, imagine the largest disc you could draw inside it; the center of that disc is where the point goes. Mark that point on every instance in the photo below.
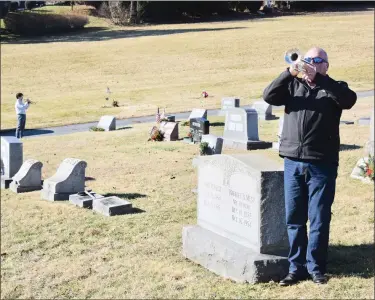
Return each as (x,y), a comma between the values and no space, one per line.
(309,144)
(21,108)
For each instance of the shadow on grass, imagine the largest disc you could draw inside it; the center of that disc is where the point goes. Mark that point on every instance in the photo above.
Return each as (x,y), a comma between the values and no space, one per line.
(124,127)
(93,34)
(27,132)
(354,261)
(88,178)
(129,196)
(346,147)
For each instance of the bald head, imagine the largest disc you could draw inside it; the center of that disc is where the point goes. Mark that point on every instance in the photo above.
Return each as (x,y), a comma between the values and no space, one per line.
(317,52)
(321,68)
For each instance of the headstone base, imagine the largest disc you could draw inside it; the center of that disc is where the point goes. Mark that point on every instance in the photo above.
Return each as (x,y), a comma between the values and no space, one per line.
(249,145)
(24,189)
(84,201)
(5,183)
(112,206)
(229,259)
(46,195)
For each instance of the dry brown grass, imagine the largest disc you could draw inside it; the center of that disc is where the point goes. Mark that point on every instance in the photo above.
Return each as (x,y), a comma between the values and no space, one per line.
(55,250)
(170,65)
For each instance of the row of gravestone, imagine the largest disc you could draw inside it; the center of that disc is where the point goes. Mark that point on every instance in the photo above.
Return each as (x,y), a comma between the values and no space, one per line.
(68,183)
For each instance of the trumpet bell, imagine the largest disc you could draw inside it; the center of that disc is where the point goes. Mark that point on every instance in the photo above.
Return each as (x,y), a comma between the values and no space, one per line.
(292,56)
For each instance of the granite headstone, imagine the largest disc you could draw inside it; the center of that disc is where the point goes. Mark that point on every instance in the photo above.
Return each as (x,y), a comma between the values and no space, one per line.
(214,143)
(198,113)
(228,102)
(11,159)
(112,206)
(170,130)
(241,130)
(264,110)
(199,127)
(241,232)
(108,123)
(69,179)
(28,178)
(84,199)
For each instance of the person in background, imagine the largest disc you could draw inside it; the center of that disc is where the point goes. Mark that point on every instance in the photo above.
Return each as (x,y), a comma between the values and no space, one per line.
(309,144)
(21,108)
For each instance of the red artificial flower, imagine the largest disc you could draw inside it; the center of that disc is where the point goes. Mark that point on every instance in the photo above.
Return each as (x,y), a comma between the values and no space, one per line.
(204,94)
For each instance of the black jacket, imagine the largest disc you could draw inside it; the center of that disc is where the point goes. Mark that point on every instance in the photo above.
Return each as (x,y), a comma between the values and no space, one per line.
(312,115)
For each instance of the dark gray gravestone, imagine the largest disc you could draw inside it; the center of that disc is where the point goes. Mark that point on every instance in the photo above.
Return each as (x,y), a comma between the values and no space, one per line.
(84,199)
(11,159)
(241,232)
(112,206)
(241,130)
(346,122)
(199,127)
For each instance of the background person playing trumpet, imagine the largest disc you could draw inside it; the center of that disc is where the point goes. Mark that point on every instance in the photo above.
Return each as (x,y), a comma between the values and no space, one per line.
(309,144)
(21,108)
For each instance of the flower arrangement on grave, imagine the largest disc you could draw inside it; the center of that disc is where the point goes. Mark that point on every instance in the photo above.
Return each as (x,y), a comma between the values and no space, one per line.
(156,135)
(204,149)
(114,102)
(367,168)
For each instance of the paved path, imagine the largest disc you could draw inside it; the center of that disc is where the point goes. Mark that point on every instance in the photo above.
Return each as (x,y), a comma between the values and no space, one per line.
(126,122)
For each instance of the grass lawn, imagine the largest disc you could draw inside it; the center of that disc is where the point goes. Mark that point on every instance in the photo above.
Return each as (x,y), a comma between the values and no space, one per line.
(170,65)
(55,250)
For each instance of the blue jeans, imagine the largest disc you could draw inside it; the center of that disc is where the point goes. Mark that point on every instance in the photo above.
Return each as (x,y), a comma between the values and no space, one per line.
(20,125)
(309,193)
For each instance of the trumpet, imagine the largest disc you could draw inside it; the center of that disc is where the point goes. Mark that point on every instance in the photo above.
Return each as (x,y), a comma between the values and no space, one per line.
(30,102)
(294,57)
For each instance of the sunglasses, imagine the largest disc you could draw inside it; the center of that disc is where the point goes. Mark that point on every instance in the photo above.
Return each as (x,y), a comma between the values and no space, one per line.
(315,60)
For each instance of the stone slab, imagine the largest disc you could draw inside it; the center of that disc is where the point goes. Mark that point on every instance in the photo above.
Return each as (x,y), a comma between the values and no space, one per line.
(171,118)
(11,157)
(28,178)
(84,201)
(112,206)
(249,145)
(364,121)
(24,189)
(198,113)
(230,259)
(170,130)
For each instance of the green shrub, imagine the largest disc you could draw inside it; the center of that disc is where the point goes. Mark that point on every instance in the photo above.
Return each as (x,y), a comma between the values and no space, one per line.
(32,23)
(94,128)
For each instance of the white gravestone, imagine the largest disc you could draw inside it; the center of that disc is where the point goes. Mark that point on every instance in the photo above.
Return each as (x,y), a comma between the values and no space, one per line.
(241,232)
(264,110)
(228,102)
(11,159)
(241,130)
(108,123)
(170,130)
(214,143)
(276,146)
(198,113)
(69,179)
(112,206)
(28,178)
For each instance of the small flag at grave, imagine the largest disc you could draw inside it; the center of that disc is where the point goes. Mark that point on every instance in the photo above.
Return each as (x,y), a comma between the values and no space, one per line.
(158,116)
(163,115)
(108,93)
